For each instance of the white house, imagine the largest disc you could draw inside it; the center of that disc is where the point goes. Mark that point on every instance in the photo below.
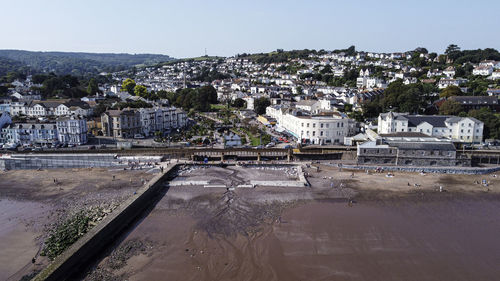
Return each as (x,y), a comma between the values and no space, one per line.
(449,72)
(461,129)
(483,70)
(313,129)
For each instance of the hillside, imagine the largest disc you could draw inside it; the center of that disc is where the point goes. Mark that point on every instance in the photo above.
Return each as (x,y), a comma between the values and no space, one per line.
(7,65)
(79,64)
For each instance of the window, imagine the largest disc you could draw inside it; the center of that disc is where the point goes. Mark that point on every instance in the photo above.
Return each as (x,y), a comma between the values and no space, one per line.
(314,125)
(321,125)
(321,133)
(314,133)
(302,125)
(307,125)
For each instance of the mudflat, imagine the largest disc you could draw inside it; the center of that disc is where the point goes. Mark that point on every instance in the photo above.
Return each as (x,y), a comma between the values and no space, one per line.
(33,202)
(348,225)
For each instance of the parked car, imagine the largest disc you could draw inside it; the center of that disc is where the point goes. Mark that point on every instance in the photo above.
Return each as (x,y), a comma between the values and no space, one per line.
(138,136)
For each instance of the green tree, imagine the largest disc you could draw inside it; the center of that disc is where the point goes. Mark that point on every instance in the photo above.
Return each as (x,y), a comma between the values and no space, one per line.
(128,86)
(450,91)
(141,91)
(92,88)
(452,51)
(450,107)
(491,122)
(260,105)
(239,102)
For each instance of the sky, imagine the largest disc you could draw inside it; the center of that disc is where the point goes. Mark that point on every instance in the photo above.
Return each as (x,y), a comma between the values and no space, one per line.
(185,28)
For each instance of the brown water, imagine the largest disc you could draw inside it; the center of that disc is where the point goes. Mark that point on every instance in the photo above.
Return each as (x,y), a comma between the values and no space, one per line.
(446,239)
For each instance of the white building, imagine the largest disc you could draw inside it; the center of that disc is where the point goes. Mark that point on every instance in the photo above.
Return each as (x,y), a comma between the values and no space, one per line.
(483,70)
(445,82)
(72,130)
(313,129)
(30,133)
(461,129)
(449,72)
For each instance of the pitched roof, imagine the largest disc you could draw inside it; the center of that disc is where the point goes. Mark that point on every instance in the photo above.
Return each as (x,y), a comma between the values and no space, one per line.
(435,120)
(447,146)
(476,100)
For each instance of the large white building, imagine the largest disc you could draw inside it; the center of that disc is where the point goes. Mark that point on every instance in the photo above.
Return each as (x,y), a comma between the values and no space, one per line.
(313,129)
(30,133)
(461,129)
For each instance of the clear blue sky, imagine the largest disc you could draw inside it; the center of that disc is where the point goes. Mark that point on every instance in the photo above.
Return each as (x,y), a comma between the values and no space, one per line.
(184,28)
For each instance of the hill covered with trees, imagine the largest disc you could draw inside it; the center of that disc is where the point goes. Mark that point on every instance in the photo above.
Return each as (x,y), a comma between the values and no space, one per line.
(78,64)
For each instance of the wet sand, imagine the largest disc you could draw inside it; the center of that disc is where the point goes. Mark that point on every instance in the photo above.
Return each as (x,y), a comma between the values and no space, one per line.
(31,204)
(390,232)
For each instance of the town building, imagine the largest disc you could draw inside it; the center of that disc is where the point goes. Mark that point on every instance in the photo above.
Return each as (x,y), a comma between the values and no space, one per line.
(311,129)
(30,133)
(121,123)
(161,119)
(459,129)
(410,149)
(477,102)
(72,130)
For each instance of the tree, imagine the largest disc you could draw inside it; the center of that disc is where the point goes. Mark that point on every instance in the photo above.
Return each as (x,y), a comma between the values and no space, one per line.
(299,90)
(490,120)
(92,88)
(260,105)
(239,102)
(128,86)
(451,91)
(141,91)
(452,49)
(450,107)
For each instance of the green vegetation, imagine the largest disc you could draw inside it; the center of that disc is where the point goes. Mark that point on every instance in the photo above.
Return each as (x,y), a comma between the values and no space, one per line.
(128,86)
(410,98)
(473,56)
(198,99)
(491,121)
(12,68)
(451,91)
(207,75)
(70,231)
(261,104)
(450,107)
(239,103)
(132,104)
(65,86)
(80,64)
(279,56)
